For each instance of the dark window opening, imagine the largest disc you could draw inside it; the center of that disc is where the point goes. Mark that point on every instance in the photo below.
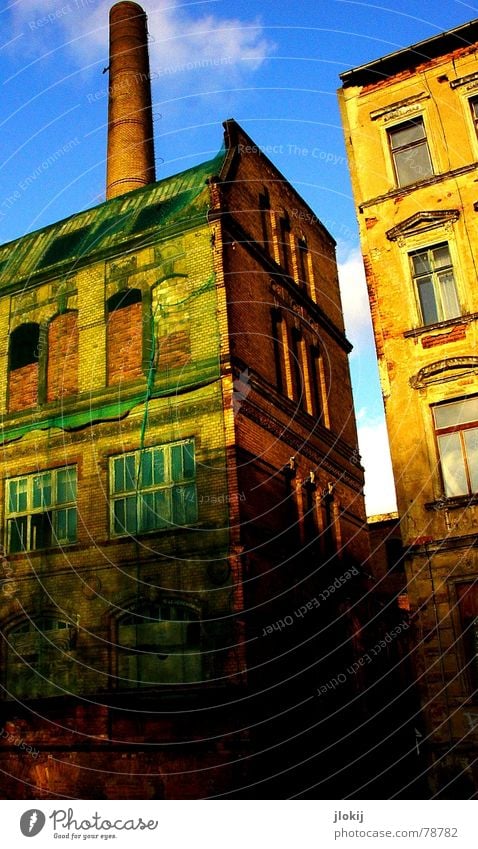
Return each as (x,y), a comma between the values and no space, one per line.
(277,348)
(310,523)
(265,214)
(394,554)
(24,346)
(63,248)
(284,227)
(124,298)
(329,544)
(315,380)
(296,342)
(303,262)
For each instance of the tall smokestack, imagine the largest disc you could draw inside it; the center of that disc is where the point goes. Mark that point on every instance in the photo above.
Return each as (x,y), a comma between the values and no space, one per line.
(130,161)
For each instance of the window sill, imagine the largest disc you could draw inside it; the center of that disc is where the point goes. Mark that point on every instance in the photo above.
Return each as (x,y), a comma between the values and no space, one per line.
(401,191)
(57,549)
(194,526)
(466,318)
(459,501)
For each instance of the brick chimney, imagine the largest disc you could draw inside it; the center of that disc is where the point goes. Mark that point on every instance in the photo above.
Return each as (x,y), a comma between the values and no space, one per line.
(130,158)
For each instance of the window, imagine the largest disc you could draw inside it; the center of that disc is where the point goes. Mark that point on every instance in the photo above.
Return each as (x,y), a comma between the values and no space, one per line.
(41,510)
(153,489)
(411,157)
(265,215)
(24,352)
(315,366)
(435,281)
(456,427)
(303,262)
(41,659)
(159,643)
(474,111)
(277,347)
(284,238)
(296,351)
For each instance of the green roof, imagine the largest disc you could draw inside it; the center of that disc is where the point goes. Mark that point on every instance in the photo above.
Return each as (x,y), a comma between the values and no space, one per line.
(170,204)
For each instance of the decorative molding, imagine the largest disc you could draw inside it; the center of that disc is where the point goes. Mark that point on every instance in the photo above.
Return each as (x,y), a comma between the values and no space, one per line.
(470,80)
(443,371)
(400,108)
(422,222)
(121,267)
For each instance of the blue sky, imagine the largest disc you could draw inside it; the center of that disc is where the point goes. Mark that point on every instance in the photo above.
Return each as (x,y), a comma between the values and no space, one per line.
(271,65)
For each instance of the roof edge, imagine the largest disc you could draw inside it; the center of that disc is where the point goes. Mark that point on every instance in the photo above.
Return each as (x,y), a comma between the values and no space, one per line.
(457,38)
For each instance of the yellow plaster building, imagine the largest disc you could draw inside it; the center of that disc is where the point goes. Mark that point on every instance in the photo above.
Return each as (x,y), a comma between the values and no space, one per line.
(411,127)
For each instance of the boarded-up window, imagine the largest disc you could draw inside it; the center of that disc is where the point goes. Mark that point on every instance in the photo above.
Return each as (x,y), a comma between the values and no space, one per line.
(62,368)
(172,324)
(24,352)
(124,344)
(41,659)
(159,644)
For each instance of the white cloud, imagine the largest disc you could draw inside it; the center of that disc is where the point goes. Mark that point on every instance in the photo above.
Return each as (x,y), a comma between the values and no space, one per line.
(353,290)
(375,452)
(180,41)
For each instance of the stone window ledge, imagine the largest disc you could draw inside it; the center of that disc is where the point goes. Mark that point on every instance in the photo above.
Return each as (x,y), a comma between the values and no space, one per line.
(455,503)
(450,322)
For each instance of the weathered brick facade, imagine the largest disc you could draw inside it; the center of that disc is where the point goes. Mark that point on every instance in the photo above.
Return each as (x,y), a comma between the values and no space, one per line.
(140,586)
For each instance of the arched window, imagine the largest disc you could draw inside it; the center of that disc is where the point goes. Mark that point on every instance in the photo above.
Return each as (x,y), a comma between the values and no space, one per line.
(24,351)
(159,643)
(62,368)
(41,658)
(124,336)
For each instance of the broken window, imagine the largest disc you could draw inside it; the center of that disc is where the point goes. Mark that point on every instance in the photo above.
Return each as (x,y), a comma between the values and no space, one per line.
(41,510)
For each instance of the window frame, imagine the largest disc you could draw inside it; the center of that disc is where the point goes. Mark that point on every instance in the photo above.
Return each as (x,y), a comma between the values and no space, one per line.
(394,152)
(472,102)
(28,530)
(460,429)
(139,511)
(434,273)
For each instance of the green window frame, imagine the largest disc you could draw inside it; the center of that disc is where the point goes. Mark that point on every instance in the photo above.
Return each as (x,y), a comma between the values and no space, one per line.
(456,427)
(434,279)
(41,510)
(153,489)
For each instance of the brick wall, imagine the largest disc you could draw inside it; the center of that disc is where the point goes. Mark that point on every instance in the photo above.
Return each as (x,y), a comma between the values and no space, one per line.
(124,343)
(23,388)
(62,369)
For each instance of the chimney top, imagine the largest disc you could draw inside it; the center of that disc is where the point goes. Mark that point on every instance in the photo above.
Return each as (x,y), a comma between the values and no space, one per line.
(130,158)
